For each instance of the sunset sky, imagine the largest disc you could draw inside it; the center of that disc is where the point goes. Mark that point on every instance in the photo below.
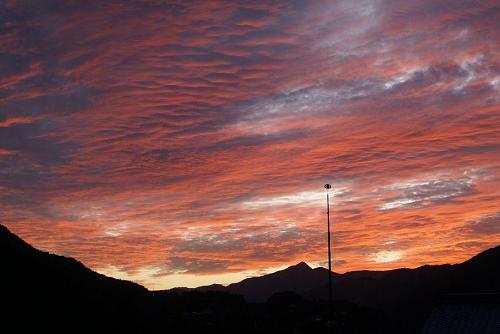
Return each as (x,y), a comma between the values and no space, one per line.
(184,143)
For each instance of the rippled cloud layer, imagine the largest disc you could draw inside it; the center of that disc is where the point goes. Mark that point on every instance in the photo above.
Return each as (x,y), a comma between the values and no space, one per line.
(176,142)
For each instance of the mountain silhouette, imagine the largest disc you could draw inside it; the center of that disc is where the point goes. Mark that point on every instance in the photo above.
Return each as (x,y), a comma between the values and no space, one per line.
(380,289)
(60,294)
(299,278)
(407,295)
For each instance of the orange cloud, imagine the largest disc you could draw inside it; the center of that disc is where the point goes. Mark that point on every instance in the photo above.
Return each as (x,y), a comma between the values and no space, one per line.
(159,141)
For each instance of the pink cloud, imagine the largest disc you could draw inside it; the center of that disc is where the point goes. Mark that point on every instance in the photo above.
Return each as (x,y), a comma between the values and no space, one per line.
(196,137)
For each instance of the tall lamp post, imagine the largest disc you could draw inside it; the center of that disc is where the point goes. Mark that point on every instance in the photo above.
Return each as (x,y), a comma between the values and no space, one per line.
(330,301)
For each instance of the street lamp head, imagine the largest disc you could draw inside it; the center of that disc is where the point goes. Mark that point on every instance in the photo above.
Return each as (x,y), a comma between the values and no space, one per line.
(328,186)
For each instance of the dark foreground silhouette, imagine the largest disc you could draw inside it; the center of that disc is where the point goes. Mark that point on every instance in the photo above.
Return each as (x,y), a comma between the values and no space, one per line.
(46,292)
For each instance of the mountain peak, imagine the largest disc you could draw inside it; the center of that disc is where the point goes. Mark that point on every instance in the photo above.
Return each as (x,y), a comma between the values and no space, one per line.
(301,265)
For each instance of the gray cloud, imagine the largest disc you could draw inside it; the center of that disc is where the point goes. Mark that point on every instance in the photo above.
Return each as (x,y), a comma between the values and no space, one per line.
(486,225)
(426,193)
(237,239)
(192,265)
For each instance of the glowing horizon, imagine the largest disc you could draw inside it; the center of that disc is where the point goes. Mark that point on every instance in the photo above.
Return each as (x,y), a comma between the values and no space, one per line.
(174,143)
